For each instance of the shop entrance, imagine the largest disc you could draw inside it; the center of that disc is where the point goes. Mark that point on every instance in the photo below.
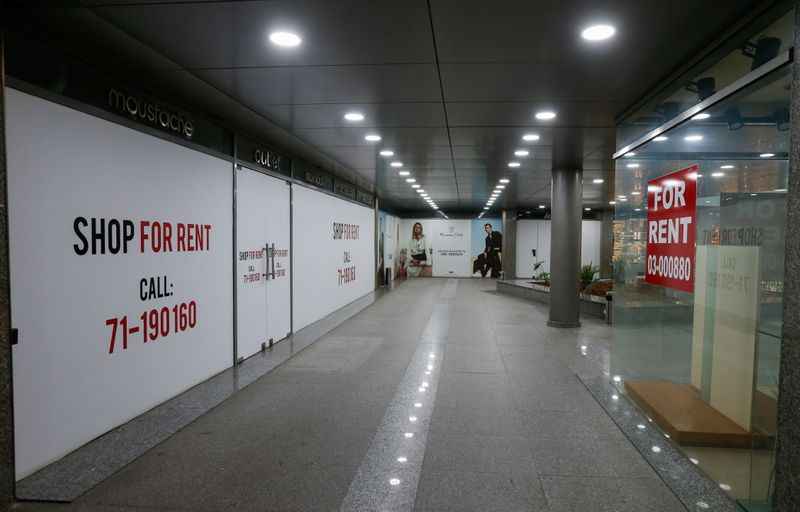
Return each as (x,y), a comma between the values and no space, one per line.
(263,291)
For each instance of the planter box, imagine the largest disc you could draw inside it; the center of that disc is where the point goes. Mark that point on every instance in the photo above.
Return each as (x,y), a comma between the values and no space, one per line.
(591,306)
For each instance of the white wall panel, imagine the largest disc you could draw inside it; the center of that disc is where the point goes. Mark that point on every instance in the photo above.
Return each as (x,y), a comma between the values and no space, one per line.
(65,166)
(331,267)
(535,234)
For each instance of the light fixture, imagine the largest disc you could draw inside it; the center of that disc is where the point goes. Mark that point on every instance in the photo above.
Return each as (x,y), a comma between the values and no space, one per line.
(530,137)
(767,155)
(496,191)
(597,180)
(415,185)
(661,138)
(545,116)
(485,207)
(693,138)
(521,152)
(636,193)
(504,180)
(403,173)
(372,137)
(612,202)
(700,117)
(501,187)
(387,152)
(285,39)
(623,199)
(728,166)
(542,207)
(420,191)
(717,174)
(587,209)
(513,164)
(354,116)
(632,166)
(396,164)
(598,32)
(411,180)
(629,154)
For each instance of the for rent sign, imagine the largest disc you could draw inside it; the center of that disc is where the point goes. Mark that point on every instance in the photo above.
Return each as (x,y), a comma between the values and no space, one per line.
(671,215)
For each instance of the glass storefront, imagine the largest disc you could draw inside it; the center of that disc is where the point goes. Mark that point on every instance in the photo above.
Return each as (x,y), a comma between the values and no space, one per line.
(704,365)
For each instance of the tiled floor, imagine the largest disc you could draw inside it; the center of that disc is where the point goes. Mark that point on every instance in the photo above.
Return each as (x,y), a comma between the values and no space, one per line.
(503,422)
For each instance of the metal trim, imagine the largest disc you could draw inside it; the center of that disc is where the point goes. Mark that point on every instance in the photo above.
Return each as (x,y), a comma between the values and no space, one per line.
(776,63)
(236,167)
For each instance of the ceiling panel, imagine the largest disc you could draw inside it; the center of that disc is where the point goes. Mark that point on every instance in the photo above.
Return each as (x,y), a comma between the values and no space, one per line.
(376,115)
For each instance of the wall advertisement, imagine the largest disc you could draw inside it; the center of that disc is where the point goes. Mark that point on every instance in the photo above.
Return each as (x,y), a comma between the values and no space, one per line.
(334,254)
(120,274)
(671,215)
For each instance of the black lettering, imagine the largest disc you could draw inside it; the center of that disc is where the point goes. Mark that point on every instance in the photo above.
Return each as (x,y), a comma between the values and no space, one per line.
(142,285)
(81,249)
(98,234)
(127,230)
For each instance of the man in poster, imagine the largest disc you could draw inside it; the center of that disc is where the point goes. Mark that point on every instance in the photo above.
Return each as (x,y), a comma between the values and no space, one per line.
(492,252)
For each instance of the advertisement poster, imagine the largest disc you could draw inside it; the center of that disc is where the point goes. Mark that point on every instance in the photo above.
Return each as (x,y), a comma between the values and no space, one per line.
(451,248)
(671,215)
(128,240)
(486,247)
(382,238)
(415,253)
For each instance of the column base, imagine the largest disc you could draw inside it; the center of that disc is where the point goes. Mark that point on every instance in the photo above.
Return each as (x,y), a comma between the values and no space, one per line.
(554,323)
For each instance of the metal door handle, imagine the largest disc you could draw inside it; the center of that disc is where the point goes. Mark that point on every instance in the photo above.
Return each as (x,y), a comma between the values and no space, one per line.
(269,253)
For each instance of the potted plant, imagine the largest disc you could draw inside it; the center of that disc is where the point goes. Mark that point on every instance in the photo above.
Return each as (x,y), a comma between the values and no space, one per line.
(587,274)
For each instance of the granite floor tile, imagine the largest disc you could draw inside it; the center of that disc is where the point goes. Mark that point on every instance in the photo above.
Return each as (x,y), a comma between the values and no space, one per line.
(482,454)
(576,456)
(488,421)
(582,494)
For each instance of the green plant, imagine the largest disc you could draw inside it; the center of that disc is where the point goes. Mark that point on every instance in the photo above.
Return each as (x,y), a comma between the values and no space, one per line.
(538,273)
(587,274)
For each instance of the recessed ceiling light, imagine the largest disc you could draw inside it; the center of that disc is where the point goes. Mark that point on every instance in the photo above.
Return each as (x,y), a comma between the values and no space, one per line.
(542,207)
(521,152)
(767,155)
(372,137)
(587,209)
(598,32)
(636,193)
(545,115)
(530,137)
(505,180)
(495,191)
(396,164)
(597,180)
(629,153)
(661,138)
(485,207)
(513,164)
(693,138)
(387,152)
(717,174)
(632,166)
(612,202)
(411,180)
(435,207)
(354,116)
(623,199)
(420,191)
(403,173)
(285,39)
(726,167)
(501,187)
(415,185)
(700,117)
(621,196)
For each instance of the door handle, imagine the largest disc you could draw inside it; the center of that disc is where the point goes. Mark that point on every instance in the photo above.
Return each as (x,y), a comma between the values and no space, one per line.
(269,263)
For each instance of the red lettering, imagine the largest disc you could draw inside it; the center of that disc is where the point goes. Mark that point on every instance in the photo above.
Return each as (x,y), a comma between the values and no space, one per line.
(143,233)
(181,237)
(167,237)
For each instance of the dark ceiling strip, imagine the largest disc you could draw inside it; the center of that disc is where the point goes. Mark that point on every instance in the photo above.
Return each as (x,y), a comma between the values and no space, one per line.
(444,104)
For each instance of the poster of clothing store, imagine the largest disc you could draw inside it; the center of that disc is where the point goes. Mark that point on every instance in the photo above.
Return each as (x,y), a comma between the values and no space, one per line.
(380,278)
(390,245)
(487,247)
(415,258)
(451,244)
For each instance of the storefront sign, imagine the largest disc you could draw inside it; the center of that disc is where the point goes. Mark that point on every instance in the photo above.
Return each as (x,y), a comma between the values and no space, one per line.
(344,189)
(671,215)
(366,199)
(150,112)
(249,152)
(318,180)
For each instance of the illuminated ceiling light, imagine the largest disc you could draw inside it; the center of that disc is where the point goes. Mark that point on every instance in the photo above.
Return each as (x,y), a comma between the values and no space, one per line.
(621,196)
(693,138)
(587,209)
(632,166)
(403,173)
(717,174)
(372,137)
(725,487)
(387,152)
(726,167)
(435,207)
(612,202)
(521,152)
(501,187)
(629,153)
(504,180)
(545,115)
(598,32)
(661,138)
(354,116)
(495,191)
(285,39)
(597,180)
(636,193)
(542,207)
(530,137)
(513,164)
(623,199)
(485,207)
(420,191)
(396,164)
(767,155)
(637,209)
(411,180)
(415,185)
(700,117)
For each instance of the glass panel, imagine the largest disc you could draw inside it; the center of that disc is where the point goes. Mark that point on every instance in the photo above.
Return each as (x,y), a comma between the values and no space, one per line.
(715,351)
(746,51)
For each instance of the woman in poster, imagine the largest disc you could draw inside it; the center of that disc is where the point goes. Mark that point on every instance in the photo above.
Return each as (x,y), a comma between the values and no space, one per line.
(418,263)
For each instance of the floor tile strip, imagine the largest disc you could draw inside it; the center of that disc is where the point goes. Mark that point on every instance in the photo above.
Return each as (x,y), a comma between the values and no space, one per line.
(388,476)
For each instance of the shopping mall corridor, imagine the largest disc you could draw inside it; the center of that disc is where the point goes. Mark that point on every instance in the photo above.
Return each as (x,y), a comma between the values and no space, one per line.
(442,395)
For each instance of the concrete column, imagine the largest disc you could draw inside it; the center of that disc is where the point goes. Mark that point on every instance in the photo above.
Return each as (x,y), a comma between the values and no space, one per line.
(510,243)
(565,247)
(787,464)
(6,395)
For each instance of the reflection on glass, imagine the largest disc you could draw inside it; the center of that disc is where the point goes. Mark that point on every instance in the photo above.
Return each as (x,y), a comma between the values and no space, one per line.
(716,349)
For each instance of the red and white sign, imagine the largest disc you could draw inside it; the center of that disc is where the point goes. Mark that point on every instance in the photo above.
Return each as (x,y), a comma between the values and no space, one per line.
(671,217)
